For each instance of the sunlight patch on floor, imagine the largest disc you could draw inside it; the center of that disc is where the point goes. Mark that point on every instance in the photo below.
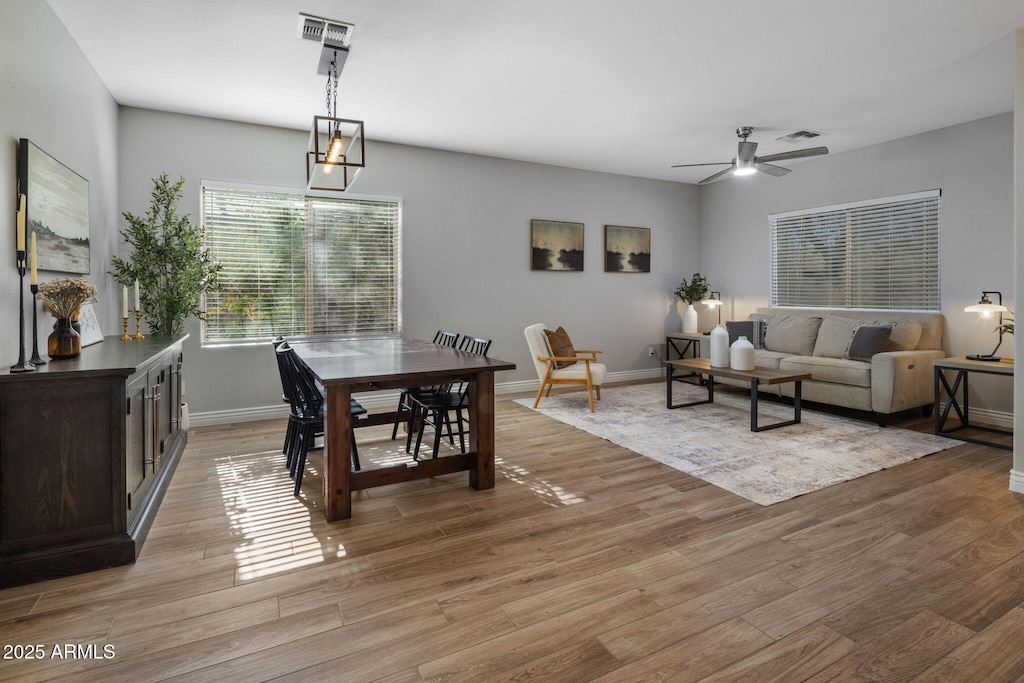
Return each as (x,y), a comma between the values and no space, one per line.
(553,495)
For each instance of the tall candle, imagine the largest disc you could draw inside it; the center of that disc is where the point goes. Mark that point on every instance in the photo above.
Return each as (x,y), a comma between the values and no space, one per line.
(124,302)
(35,279)
(138,307)
(21,223)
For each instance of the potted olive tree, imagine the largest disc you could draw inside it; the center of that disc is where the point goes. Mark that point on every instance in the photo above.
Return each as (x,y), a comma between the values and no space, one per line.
(168,261)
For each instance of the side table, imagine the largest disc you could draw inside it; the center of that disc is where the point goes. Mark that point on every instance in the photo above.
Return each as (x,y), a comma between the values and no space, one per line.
(961,368)
(683,343)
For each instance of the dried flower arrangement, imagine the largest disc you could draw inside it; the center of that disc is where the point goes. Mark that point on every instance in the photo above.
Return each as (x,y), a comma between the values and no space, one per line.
(64,296)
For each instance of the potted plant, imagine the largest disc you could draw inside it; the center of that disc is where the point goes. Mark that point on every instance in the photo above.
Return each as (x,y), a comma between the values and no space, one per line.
(168,259)
(690,293)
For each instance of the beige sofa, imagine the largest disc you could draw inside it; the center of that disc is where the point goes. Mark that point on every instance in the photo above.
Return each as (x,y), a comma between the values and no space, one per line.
(899,377)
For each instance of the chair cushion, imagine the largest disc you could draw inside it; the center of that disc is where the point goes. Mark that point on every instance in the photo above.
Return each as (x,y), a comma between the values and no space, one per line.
(904,335)
(579,371)
(867,341)
(560,345)
(836,370)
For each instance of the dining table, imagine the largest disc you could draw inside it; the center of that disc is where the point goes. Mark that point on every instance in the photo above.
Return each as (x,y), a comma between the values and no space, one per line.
(348,367)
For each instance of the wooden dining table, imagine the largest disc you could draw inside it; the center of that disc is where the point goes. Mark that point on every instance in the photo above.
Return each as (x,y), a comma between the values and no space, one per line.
(349,367)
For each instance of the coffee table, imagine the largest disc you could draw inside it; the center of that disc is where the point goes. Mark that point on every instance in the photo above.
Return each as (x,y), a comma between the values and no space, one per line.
(756,377)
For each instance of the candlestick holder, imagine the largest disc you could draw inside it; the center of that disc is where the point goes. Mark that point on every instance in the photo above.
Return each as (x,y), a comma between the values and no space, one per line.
(22,365)
(36,359)
(124,329)
(138,334)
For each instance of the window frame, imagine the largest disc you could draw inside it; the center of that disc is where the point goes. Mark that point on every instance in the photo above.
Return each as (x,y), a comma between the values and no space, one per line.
(315,194)
(930,296)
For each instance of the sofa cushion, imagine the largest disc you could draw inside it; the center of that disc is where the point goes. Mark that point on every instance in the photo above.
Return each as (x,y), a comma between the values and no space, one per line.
(904,335)
(561,345)
(769,359)
(836,370)
(752,329)
(835,335)
(793,334)
(867,341)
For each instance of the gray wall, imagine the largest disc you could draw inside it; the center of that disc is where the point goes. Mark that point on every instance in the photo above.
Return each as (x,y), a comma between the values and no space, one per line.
(970,163)
(50,94)
(466,255)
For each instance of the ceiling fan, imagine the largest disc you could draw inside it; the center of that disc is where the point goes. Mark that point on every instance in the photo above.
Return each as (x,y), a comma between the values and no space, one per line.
(746,163)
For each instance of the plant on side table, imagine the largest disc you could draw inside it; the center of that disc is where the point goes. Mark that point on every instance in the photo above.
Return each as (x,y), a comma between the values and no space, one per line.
(690,293)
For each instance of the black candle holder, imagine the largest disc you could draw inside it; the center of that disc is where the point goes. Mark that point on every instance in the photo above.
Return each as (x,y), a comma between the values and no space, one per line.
(35,359)
(22,365)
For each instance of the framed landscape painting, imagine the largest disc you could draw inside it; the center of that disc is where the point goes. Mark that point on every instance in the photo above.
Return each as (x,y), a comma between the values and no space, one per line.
(556,245)
(627,250)
(57,210)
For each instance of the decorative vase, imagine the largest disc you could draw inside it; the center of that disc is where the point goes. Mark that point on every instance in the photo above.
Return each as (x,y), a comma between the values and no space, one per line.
(719,347)
(690,320)
(741,355)
(63,342)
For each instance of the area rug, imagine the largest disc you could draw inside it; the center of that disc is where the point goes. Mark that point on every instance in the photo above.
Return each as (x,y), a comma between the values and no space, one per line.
(714,443)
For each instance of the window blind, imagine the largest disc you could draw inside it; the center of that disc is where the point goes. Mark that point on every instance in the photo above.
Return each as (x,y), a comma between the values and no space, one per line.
(301,266)
(876,254)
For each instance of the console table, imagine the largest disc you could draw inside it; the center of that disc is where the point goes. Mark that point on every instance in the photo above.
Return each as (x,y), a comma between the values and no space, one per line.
(961,367)
(89,447)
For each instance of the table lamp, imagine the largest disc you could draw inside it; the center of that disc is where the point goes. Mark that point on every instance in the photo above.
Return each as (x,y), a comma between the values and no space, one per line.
(714,300)
(988,310)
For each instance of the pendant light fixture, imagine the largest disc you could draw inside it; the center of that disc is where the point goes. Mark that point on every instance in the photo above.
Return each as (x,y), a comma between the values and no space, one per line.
(335,153)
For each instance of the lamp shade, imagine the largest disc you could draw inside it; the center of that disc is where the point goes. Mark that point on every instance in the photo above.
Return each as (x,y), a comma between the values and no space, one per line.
(985,308)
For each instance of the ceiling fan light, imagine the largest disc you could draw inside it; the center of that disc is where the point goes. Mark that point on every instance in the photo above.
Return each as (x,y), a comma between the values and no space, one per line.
(744,168)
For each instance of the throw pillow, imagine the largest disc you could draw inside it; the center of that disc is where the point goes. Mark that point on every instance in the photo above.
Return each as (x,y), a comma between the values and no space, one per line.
(835,335)
(904,334)
(560,345)
(753,330)
(793,334)
(867,341)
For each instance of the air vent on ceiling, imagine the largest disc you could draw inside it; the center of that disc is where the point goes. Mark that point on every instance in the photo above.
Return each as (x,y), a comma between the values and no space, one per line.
(333,36)
(798,136)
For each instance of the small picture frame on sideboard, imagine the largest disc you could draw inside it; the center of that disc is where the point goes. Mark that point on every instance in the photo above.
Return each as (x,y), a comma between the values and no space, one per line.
(91,332)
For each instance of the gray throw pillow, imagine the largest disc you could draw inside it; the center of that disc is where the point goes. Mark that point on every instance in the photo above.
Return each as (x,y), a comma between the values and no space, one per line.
(753,330)
(867,341)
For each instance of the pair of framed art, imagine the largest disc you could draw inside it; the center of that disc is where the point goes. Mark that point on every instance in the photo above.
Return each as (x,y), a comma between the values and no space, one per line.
(558,245)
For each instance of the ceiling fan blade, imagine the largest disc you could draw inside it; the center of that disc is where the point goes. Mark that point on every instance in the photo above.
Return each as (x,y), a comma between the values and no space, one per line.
(795,154)
(769,169)
(713,163)
(747,150)
(718,176)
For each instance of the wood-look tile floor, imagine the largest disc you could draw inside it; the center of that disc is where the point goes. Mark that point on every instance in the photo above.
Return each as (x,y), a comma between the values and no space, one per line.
(586,562)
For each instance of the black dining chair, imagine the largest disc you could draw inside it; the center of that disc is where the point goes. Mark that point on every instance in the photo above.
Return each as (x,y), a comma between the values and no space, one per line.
(289,433)
(307,412)
(441,338)
(436,408)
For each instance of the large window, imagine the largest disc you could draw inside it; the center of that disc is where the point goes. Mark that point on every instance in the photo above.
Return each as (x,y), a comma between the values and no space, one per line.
(301,266)
(875,254)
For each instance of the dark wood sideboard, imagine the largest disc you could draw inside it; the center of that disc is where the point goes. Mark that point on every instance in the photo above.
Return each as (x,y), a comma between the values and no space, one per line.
(87,449)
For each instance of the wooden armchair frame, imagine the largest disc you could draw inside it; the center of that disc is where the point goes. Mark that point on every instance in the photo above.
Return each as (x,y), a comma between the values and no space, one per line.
(548,381)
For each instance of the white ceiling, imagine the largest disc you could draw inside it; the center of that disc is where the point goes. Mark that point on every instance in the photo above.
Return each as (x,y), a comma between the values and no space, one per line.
(607,85)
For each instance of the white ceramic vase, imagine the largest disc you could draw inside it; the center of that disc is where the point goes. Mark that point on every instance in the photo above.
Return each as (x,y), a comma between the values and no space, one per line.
(741,355)
(719,347)
(690,320)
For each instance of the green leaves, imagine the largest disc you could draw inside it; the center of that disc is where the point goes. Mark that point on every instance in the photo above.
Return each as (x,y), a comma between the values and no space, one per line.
(694,291)
(168,260)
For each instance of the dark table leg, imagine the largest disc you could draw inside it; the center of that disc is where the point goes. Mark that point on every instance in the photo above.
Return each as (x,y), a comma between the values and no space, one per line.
(481,431)
(797,393)
(338,453)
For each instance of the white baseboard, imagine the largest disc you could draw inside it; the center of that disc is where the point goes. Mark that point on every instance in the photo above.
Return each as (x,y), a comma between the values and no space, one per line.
(1016,481)
(384,399)
(995,418)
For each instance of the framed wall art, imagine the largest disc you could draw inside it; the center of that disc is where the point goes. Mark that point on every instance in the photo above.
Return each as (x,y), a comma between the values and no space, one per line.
(556,245)
(627,250)
(57,205)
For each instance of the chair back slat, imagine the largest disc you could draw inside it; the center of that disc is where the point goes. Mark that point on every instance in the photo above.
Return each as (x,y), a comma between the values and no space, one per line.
(475,345)
(301,390)
(449,339)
